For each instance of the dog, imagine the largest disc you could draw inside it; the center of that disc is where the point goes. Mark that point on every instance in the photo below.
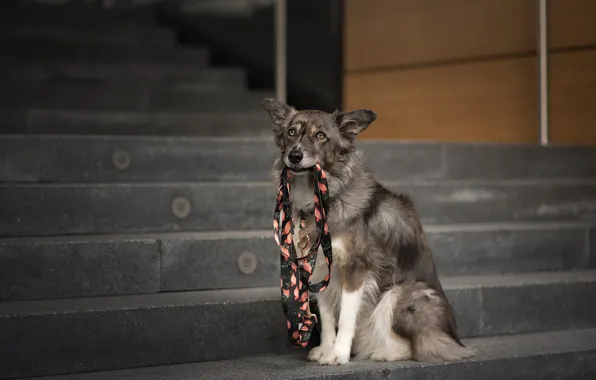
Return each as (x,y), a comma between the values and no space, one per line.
(385,301)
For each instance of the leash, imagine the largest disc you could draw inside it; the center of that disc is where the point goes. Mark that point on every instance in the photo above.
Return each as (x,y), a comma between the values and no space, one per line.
(296,272)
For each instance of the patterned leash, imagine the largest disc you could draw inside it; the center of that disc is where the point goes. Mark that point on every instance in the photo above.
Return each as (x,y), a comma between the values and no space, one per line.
(296,272)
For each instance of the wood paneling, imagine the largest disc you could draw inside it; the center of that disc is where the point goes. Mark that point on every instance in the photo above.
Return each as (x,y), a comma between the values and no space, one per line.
(572,23)
(458,70)
(486,101)
(573,97)
(381,33)
(386,33)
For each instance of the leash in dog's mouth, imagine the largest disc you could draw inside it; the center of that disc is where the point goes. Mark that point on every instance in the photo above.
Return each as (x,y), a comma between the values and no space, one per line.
(302,170)
(297,271)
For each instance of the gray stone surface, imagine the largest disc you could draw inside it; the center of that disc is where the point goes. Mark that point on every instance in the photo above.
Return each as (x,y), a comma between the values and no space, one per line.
(462,202)
(218,263)
(547,356)
(204,261)
(592,243)
(126,337)
(78,13)
(399,161)
(132,207)
(508,248)
(158,159)
(126,75)
(121,208)
(139,97)
(23,50)
(519,161)
(126,34)
(464,250)
(78,268)
(20,159)
(252,124)
(89,159)
(172,328)
(539,307)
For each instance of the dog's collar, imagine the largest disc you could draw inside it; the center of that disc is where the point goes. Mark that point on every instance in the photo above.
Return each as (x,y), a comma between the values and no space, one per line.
(296,272)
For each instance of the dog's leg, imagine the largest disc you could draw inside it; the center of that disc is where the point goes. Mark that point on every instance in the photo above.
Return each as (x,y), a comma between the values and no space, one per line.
(350,305)
(328,325)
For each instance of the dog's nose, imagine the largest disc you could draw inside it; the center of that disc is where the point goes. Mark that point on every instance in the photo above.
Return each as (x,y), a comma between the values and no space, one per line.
(295,156)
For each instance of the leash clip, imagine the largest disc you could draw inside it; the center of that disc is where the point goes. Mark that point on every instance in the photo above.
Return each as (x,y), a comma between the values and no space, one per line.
(314,316)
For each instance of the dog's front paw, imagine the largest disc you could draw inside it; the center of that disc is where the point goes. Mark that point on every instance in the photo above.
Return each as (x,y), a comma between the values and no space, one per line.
(335,357)
(319,352)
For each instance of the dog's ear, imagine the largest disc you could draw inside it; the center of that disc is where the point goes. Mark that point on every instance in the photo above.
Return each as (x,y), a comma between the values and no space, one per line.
(352,123)
(278,112)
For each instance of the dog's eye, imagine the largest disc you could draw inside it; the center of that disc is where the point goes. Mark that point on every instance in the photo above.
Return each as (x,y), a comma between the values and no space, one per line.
(320,135)
(291,131)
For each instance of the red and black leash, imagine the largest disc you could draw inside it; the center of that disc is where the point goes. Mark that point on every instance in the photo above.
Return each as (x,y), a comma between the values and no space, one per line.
(296,272)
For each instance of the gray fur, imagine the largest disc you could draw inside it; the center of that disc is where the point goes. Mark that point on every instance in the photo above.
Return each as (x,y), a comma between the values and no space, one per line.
(378,241)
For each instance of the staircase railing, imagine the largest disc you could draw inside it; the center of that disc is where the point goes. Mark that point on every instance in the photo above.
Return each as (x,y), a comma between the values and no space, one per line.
(543,69)
(280,50)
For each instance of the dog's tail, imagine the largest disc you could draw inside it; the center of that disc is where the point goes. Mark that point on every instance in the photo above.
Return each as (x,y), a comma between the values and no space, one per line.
(424,315)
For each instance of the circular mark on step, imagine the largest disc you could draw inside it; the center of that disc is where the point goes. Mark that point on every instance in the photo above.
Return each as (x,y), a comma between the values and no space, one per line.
(247,262)
(121,159)
(181,207)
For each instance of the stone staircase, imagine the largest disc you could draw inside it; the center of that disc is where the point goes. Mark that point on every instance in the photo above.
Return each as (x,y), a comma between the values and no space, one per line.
(127,252)
(83,70)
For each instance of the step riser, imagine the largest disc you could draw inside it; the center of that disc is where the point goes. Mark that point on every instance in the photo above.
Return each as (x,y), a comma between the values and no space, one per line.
(93,98)
(79,269)
(101,53)
(126,76)
(88,209)
(55,33)
(89,159)
(579,365)
(79,15)
(96,267)
(546,356)
(101,340)
(190,264)
(133,123)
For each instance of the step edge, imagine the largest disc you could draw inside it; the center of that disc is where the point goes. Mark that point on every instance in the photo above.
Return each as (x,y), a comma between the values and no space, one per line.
(264,294)
(265,233)
(488,349)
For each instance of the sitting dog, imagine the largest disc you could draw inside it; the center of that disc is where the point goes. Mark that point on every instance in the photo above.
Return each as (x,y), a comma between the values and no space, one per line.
(385,301)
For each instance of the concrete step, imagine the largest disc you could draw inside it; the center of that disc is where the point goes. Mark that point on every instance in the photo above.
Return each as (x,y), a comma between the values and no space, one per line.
(74,13)
(186,97)
(125,34)
(28,51)
(235,8)
(65,209)
(84,266)
(188,76)
(161,159)
(560,355)
(56,121)
(131,331)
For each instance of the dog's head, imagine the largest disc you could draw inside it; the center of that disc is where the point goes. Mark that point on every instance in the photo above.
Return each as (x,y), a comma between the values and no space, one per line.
(309,137)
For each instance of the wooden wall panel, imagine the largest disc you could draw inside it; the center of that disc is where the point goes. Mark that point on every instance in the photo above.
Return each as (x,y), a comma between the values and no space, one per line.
(382,33)
(385,33)
(485,101)
(458,70)
(573,97)
(572,23)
